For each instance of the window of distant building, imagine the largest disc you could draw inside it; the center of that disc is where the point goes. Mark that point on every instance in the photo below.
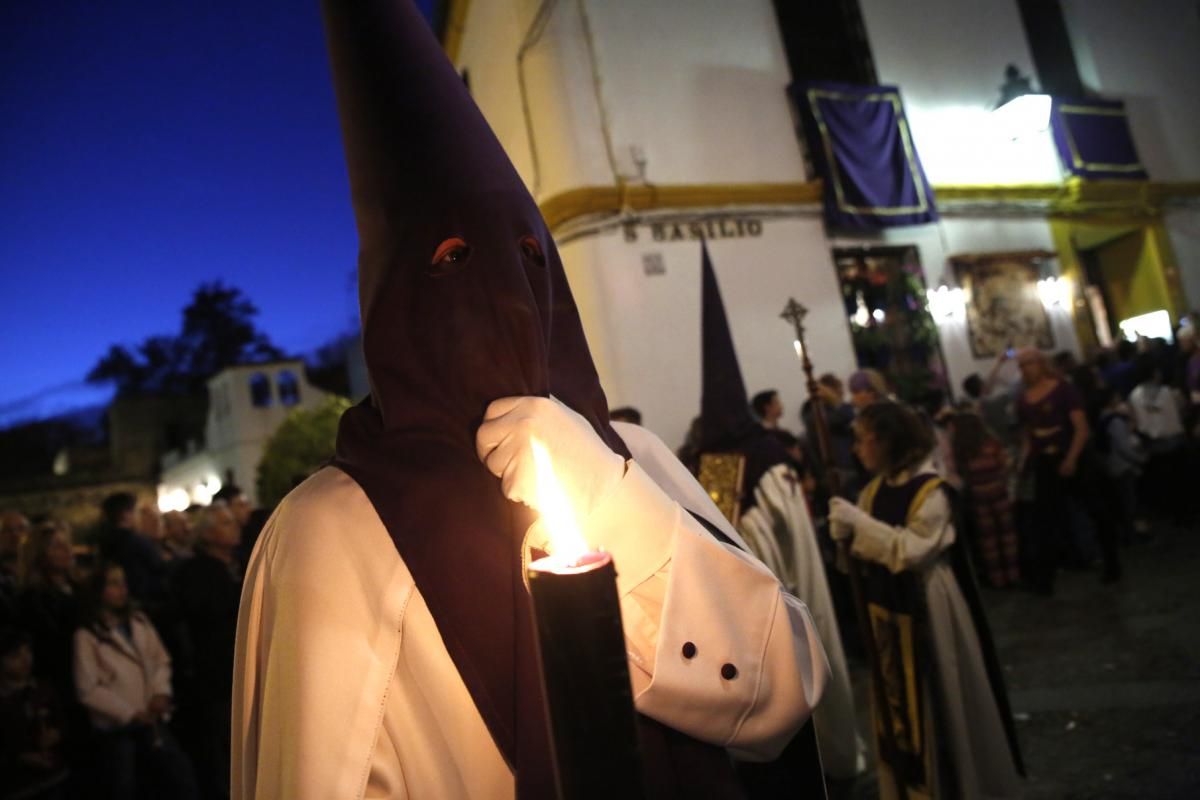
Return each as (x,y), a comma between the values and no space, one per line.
(260,390)
(289,388)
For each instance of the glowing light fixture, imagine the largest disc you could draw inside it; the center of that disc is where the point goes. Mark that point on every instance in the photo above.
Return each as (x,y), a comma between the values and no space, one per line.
(946,302)
(1022,116)
(862,315)
(1055,292)
(1155,325)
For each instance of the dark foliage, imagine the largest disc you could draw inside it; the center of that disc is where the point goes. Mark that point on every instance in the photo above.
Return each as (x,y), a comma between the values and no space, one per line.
(217,331)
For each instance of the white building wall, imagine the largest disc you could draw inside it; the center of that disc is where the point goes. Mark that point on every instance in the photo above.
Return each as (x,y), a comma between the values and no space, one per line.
(698,87)
(489,52)
(645,329)
(948,58)
(1147,54)
(237,430)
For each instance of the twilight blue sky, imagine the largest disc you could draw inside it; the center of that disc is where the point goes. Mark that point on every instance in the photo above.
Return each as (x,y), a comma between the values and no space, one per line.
(147,146)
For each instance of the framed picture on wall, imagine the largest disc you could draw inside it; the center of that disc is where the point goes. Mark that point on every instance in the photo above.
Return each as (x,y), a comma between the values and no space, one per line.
(1003,306)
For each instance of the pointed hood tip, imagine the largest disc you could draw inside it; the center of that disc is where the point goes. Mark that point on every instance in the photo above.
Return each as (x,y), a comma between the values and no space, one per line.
(724,410)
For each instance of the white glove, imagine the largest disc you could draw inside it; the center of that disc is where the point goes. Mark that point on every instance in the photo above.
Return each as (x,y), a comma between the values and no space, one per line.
(844,517)
(583,464)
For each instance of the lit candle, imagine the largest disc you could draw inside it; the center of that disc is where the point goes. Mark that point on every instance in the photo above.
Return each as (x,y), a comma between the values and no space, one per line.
(581,645)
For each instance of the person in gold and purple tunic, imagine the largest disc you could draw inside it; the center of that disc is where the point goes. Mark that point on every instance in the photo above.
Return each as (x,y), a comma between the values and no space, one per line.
(943,692)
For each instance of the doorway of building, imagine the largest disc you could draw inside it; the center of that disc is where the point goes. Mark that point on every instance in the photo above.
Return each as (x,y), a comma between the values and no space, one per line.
(1125,286)
(883,293)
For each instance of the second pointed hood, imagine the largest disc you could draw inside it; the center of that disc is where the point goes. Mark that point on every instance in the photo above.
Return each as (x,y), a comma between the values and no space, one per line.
(726,424)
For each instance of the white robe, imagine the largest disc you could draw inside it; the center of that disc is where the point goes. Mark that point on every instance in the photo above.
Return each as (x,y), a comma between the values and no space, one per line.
(343,687)
(779,530)
(972,731)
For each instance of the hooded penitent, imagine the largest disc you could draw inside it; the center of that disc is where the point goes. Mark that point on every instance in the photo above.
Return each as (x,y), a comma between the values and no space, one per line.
(463,300)
(726,424)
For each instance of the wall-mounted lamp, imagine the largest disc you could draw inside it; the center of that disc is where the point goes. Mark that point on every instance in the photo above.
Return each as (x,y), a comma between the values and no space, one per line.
(1055,292)
(1020,111)
(862,315)
(946,302)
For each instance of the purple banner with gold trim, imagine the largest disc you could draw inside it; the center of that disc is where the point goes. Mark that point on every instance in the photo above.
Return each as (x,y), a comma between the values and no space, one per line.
(859,141)
(1093,139)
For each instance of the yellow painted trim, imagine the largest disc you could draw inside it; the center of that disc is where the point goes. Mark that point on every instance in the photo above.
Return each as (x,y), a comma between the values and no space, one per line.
(568,205)
(1109,201)
(456,20)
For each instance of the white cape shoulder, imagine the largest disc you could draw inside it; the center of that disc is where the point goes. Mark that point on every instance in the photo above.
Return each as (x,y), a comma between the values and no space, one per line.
(310,677)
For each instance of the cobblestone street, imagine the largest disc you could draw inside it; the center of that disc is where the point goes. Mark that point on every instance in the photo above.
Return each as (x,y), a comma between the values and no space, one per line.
(1105,680)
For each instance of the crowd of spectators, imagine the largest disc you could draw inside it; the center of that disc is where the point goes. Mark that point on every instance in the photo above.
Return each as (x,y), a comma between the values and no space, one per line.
(116,657)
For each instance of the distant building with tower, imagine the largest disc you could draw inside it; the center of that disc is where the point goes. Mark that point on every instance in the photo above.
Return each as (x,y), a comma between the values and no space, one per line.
(246,405)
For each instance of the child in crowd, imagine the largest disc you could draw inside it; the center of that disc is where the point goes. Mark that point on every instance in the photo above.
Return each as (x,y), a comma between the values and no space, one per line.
(951,730)
(985,471)
(32,766)
(123,678)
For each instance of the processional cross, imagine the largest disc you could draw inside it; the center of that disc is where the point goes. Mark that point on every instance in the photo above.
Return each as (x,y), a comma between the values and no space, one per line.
(795,313)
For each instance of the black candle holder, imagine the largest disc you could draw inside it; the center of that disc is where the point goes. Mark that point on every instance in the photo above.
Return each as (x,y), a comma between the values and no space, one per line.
(589,700)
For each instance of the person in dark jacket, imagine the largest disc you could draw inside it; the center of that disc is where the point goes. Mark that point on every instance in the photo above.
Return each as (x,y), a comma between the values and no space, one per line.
(49,602)
(120,542)
(207,588)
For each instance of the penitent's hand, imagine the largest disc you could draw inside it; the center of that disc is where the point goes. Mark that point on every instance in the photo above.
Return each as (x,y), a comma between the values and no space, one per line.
(844,517)
(586,468)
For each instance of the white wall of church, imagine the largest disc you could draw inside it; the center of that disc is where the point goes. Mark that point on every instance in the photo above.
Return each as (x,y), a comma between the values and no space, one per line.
(645,329)
(696,86)
(1147,54)
(948,58)
(488,52)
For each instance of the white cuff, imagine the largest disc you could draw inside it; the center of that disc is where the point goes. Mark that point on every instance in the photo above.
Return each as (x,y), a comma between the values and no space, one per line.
(636,524)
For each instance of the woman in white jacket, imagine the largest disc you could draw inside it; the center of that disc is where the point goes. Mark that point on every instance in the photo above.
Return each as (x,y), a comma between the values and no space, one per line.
(123,679)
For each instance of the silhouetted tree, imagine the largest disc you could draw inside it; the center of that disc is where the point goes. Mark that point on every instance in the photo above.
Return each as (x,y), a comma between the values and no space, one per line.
(218,331)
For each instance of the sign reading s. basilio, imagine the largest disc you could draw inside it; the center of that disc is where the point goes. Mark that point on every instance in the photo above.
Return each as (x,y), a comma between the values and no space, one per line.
(711,228)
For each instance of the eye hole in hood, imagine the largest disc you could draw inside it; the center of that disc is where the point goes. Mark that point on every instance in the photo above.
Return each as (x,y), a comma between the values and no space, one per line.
(532,251)
(449,257)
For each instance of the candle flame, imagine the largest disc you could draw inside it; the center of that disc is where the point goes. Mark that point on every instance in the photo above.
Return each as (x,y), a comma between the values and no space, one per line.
(567,544)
